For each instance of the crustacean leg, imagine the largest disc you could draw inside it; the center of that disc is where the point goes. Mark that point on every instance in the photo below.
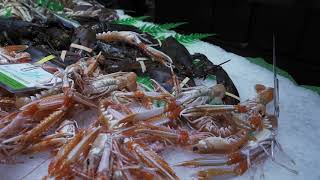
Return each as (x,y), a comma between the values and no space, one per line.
(64,133)
(70,153)
(151,159)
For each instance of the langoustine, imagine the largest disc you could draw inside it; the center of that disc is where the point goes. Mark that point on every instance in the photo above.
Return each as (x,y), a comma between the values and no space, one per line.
(134,39)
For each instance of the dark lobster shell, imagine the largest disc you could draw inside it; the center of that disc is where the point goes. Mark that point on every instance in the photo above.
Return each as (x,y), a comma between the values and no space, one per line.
(183,63)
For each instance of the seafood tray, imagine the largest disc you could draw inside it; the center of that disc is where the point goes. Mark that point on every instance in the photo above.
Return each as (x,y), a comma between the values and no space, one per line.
(85,96)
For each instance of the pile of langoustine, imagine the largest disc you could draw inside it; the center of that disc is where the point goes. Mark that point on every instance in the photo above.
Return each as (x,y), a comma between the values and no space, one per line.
(133,122)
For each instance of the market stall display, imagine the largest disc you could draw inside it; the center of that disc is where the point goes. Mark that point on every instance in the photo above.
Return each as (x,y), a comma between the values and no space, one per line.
(108,100)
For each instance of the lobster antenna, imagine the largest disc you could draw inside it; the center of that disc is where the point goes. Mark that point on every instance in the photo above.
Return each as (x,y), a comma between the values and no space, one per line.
(35,168)
(224,62)
(275,80)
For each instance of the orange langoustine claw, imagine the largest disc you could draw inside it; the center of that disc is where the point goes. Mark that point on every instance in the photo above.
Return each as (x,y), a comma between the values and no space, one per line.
(13,54)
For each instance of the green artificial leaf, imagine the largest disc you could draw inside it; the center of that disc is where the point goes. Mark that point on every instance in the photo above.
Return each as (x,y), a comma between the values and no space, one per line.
(191,38)
(140,18)
(55,6)
(216,102)
(8,12)
(152,28)
(160,32)
(156,29)
(312,88)
(130,21)
(159,36)
(159,103)
(197,63)
(52,5)
(261,62)
(145,80)
(171,25)
(251,136)
(42,3)
(67,20)
(211,77)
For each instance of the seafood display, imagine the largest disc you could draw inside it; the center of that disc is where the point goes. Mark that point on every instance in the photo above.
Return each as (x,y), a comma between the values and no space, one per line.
(97,67)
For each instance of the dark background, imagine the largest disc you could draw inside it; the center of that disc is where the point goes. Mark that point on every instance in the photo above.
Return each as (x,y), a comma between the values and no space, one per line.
(245,27)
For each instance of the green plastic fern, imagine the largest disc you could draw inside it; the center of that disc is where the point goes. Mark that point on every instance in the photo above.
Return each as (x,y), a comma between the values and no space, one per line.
(187,39)
(160,36)
(154,28)
(151,28)
(171,25)
(8,12)
(52,5)
(130,20)
(160,32)
(145,80)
